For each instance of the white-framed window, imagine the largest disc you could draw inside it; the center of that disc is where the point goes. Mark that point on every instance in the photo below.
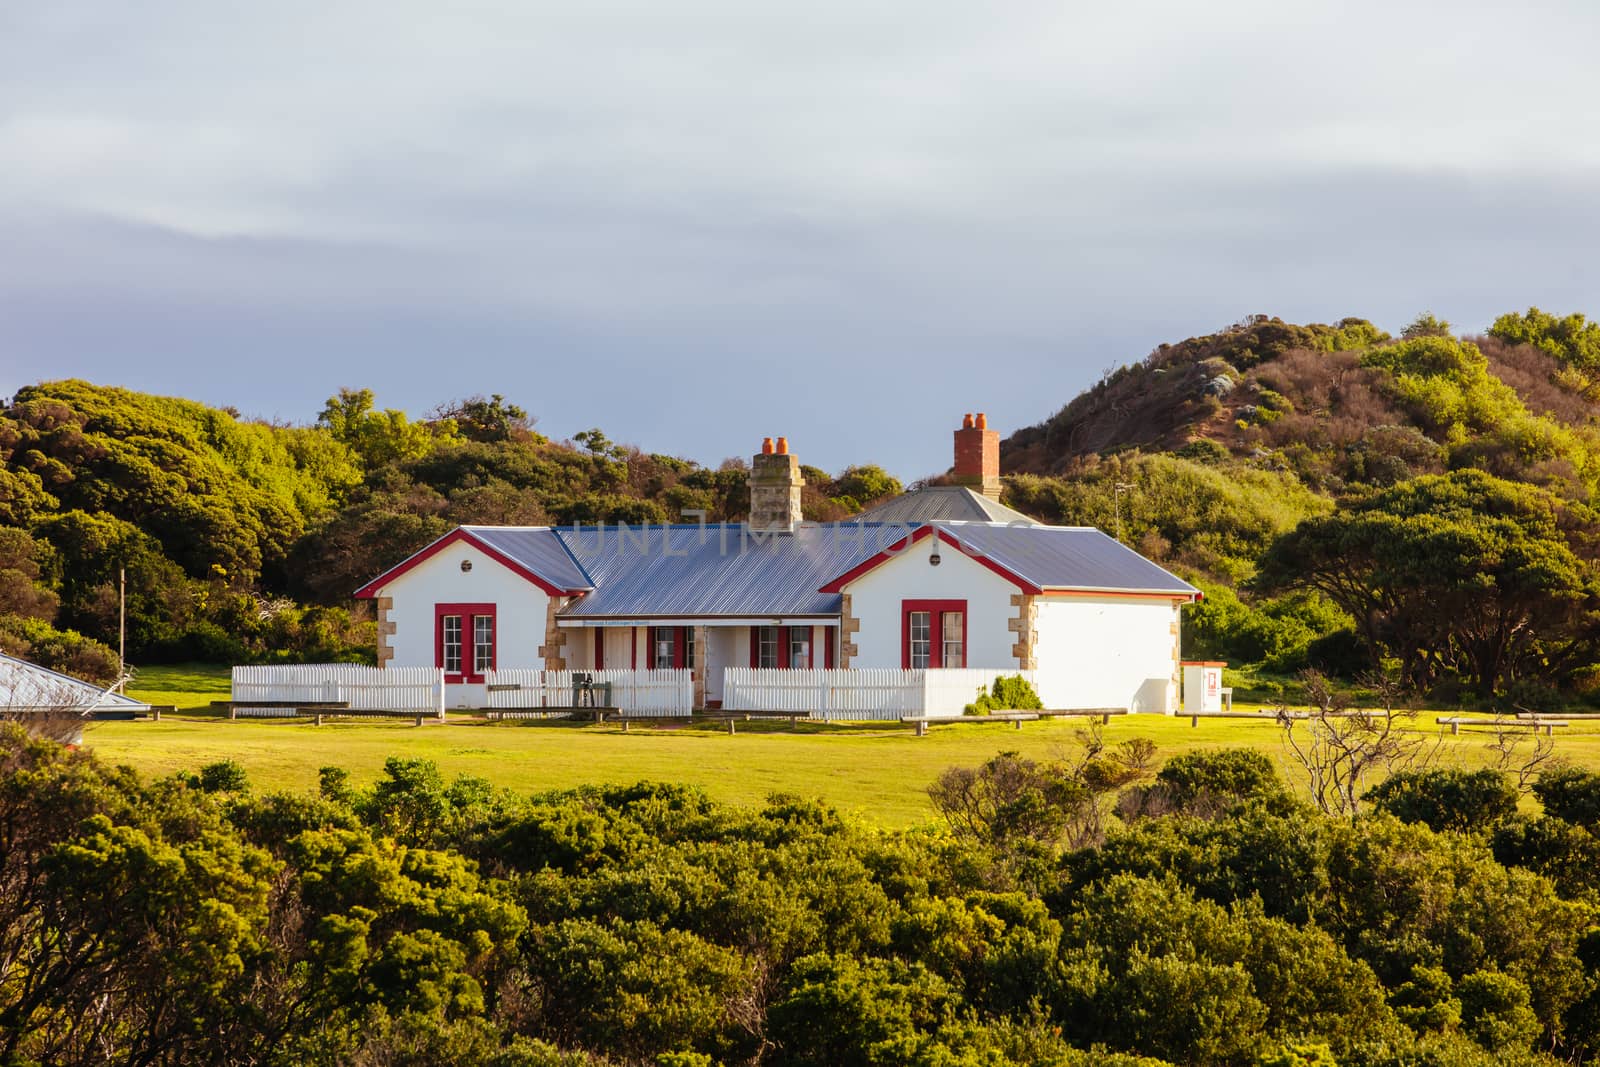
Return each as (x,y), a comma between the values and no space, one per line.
(482,643)
(664,648)
(450,643)
(767,638)
(799,646)
(921,638)
(954,648)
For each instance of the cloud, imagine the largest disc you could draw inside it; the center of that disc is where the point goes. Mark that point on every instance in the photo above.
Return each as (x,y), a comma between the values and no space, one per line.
(637,214)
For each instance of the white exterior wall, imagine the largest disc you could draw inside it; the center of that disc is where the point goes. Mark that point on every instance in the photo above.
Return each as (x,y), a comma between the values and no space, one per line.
(520,608)
(876,596)
(1107,652)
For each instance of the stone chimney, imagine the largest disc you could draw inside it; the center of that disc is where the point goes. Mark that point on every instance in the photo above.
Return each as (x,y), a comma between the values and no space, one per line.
(775,485)
(978,456)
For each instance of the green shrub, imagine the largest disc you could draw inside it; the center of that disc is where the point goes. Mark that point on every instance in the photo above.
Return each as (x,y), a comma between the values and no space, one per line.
(1010,692)
(224,776)
(1570,794)
(1451,799)
(1196,781)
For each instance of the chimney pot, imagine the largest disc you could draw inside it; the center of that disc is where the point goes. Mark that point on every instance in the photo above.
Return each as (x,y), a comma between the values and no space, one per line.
(983,421)
(776,487)
(966,421)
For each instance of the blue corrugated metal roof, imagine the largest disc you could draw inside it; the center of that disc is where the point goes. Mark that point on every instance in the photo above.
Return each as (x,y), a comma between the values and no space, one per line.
(718,570)
(725,570)
(537,548)
(1067,557)
(941,503)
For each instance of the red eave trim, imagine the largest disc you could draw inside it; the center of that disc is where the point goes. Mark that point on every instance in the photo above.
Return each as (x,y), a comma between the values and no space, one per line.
(1121,595)
(370,590)
(899,548)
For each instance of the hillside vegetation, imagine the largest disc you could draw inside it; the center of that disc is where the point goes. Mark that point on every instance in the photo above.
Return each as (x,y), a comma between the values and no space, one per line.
(1350,500)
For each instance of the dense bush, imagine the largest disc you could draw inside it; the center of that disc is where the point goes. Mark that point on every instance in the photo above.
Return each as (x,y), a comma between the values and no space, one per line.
(1453,799)
(1010,692)
(426,920)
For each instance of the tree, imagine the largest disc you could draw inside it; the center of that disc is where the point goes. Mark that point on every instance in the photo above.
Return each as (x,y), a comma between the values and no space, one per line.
(381,437)
(1340,750)
(488,421)
(1572,339)
(1460,573)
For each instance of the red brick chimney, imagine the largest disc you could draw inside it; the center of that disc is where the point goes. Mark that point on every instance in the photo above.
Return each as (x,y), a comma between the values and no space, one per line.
(978,456)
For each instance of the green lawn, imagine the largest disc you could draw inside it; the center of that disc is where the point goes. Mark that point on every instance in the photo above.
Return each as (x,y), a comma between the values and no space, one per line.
(877,770)
(184,685)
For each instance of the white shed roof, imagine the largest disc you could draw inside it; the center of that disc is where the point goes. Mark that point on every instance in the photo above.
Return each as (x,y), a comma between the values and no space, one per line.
(27,686)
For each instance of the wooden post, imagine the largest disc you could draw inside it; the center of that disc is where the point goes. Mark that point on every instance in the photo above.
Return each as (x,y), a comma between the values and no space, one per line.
(1017,723)
(419,720)
(730,726)
(233,712)
(155,714)
(1455,727)
(624,725)
(1194,720)
(922,728)
(318,721)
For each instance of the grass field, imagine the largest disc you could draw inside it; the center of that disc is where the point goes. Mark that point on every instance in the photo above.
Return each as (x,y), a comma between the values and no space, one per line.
(878,770)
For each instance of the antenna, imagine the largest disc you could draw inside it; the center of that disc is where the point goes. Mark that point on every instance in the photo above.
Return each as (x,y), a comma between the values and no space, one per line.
(122,627)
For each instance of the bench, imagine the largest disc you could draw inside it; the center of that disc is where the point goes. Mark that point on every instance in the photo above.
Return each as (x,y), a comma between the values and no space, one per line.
(1456,722)
(317,710)
(593,714)
(921,722)
(731,717)
(1347,713)
(1103,714)
(1196,716)
(300,706)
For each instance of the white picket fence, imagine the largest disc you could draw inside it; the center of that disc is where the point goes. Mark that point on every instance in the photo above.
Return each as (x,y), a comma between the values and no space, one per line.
(646,692)
(414,690)
(857,693)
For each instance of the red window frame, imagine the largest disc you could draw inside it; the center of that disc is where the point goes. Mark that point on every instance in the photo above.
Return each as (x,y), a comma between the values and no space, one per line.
(936,610)
(469,650)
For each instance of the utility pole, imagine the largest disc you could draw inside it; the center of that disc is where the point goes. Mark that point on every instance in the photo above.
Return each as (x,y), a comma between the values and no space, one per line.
(122,627)
(1118,490)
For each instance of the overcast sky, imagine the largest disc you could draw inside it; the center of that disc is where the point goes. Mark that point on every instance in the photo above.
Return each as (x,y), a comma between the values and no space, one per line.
(697,223)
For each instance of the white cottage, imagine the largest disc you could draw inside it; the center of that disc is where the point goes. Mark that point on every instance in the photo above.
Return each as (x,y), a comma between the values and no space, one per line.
(940,577)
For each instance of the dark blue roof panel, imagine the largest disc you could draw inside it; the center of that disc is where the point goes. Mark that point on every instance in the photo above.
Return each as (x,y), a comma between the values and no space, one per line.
(537,548)
(718,570)
(1067,557)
